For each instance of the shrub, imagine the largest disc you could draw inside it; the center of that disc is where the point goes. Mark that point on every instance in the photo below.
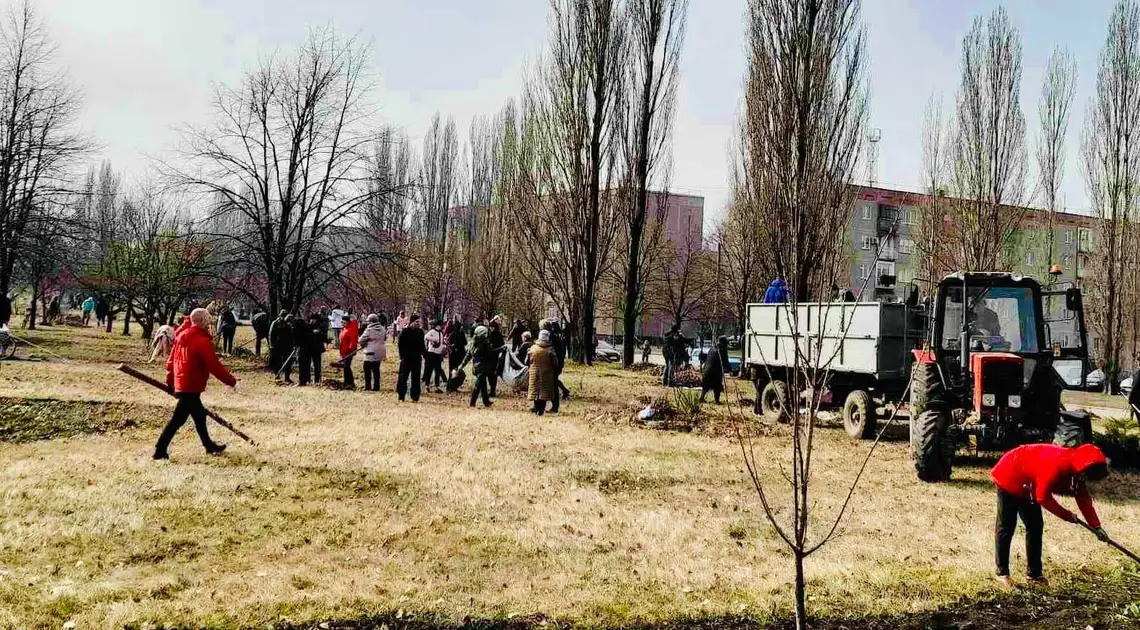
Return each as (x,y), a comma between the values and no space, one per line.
(1120,443)
(687,401)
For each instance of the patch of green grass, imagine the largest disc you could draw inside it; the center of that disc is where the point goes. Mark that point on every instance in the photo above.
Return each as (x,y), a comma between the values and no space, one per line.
(29,420)
(621,481)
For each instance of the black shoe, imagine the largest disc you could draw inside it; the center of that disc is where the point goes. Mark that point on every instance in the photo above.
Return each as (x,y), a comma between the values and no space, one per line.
(216,449)
(160,456)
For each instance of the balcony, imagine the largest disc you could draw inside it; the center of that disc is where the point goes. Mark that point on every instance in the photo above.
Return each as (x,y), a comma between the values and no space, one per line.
(889,220)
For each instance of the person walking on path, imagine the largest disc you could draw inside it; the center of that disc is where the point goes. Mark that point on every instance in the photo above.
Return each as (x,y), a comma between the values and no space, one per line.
(646,348)
(311,359)
(434,351)
(1027,478)
(374,345)
(542,361)
(260,324)
(482,356)
(88,308)
(349,340)
(188,369)
(713,369)
(227,326)
(411,347)
(336,322)
(457,344)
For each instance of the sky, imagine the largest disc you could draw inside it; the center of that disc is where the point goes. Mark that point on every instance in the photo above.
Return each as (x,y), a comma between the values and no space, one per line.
(147,67)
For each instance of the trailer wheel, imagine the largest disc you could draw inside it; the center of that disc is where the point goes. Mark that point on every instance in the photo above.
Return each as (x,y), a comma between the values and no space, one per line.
(926,389)
(859,415)
(774,401)
(930,444)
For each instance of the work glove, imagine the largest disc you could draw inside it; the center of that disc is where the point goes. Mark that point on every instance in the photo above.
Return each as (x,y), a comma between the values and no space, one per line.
(1101,535)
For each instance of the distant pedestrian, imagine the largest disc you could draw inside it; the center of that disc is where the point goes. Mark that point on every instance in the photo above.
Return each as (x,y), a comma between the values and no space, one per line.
(53,311)
(280,345)
(303,342)
(411,347)
(88,308)
(317,326)
(373,344)
(517,334)
(187,371)
(646,348)
(102,311)
(524,347)
(5,308)
(456,344)
(558,346)
(227,326)
(542,374)
(260,324)
(713,370)
(482,357)
(777,292)
(349,342)
(401,322)
(434,351)
(336,322)
(673,359)
(498,344)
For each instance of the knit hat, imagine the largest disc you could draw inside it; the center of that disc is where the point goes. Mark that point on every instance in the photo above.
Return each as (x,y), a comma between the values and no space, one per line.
(544,336)
(373,319)
(480,331)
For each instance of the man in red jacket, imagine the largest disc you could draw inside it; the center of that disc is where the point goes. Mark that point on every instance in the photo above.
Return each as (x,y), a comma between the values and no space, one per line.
(349,342)
(189,367)
(1026,478)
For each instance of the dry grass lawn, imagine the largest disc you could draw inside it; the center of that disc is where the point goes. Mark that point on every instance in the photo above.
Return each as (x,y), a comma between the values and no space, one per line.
(355,504)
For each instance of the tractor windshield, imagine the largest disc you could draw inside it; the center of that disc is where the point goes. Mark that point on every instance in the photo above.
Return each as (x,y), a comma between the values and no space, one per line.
(999,319)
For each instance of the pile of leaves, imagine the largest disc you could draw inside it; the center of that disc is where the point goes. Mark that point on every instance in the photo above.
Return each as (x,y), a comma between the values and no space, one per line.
(648,368)
(686,376)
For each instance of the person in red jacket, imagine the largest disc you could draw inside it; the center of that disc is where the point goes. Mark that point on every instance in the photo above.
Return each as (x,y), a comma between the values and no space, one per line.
(189,367)
(1026,479)
(349,342)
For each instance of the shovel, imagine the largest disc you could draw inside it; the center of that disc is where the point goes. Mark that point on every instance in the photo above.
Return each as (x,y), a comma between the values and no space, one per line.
(1112,543)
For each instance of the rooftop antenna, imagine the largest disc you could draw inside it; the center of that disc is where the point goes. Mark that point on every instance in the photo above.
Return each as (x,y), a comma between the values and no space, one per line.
(873,138)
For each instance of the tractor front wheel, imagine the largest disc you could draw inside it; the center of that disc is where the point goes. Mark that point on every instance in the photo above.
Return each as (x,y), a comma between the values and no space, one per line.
(774,401)
(1073,429)
(931,446)
(859,415)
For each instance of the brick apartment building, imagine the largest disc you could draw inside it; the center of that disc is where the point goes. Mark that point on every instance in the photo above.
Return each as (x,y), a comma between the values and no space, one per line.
(887,218)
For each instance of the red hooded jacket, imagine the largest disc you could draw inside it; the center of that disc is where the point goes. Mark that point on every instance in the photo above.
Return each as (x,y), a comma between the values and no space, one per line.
(1037,471)
(349,337)
(193,360)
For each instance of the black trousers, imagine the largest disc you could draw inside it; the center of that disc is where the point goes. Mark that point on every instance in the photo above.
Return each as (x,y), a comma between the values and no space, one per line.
(349,378)
(539,407)
(257,344)
(409,376)
(433,366)
(371,376)
(315,358)
(454,360)
(1009,508)
(481,389)
(189,406)
(304,368)
(228,340)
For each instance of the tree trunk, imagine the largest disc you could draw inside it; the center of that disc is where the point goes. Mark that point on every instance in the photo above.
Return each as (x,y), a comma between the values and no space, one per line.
(127,319)
(32,304)
(801,593)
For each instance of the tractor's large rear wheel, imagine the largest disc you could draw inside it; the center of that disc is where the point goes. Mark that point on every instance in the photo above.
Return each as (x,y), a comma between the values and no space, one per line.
(774,401)
(932,446)
(1073,429)
(860,416)
(926,389)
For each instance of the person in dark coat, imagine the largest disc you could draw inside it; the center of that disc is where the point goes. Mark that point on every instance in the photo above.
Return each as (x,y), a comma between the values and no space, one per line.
(482,355)
(713,370)
(260,324)
(524,347)
(303,342)
(5,309)
(411,347)
(227,326)
(517,335)
(498,344)
(1134,394)
(281,346)
(558,346)
(316,348)
(457,342)
(669,351)
(102,311)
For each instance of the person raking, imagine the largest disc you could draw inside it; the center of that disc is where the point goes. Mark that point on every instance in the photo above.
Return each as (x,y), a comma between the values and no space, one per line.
(1027,478)
(188,369)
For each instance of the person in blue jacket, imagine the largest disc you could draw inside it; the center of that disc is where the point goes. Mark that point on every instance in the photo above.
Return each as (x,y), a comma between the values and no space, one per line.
(777,292)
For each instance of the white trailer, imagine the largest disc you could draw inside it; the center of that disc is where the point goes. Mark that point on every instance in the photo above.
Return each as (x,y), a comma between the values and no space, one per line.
(865,346)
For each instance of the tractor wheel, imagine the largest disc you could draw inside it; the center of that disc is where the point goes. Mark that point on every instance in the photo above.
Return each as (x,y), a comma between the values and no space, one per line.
(7,347)
(774,401)
(859,415)
(1073,429)
(930,446)
(926,389)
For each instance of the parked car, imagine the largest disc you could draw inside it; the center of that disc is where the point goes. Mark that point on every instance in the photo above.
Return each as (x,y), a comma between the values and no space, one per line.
(1126,386)
(1070,372)
(697,358)
(606,352)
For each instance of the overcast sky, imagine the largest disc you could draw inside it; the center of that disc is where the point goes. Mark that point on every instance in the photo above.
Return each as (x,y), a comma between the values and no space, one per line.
(146,67)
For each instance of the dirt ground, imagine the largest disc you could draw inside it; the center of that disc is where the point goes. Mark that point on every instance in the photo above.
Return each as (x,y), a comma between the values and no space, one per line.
(359,512)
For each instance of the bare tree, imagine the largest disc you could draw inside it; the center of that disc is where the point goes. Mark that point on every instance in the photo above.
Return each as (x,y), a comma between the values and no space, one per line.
(657,33)
(1053,110)
(1111,148)
(803,120)
(930,233)
(288,158)
(989,146)
(683,280)
(489,242)
(433,266)
(38,141)
(740,237)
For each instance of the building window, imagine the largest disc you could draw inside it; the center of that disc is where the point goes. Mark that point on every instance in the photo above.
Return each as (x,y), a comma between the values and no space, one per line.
(1084,244)
(866,213)
(1066,260)
(911,216)
(1068,237)
(868,242)
(1029,259)
(906,246)
(863,272)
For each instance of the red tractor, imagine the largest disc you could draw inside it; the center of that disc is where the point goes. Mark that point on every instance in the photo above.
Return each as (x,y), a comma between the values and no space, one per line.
(985,378)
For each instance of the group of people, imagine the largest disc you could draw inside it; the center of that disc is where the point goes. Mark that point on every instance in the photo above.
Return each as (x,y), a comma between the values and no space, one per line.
(98,306)
(714,364)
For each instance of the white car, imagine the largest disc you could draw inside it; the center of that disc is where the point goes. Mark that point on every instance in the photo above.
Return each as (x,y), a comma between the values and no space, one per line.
(1126,386)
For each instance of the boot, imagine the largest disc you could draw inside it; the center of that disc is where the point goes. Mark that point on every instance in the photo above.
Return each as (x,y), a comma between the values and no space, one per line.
(216,449)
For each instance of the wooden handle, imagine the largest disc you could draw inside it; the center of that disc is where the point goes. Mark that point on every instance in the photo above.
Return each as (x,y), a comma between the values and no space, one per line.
(126,369)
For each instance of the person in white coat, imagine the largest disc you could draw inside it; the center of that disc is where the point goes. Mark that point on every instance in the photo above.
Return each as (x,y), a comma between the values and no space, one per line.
(436,346)
(374,346)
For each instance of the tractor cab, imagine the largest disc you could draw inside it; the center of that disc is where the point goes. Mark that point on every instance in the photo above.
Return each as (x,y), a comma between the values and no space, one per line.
(987,378)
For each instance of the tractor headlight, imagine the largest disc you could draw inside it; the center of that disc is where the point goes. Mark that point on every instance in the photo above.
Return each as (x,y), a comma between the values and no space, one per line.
(989,400)
(1014,401)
